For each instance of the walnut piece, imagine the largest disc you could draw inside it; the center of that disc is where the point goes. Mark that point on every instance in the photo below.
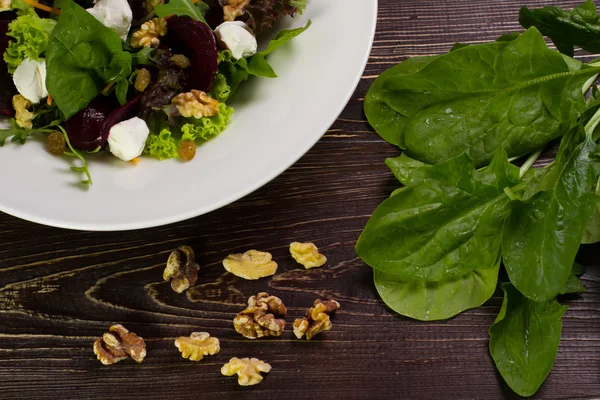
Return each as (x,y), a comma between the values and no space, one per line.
(316,319)
(247,369)
(149,33)
(22,114)
(234,9)
(197,345)
(181,269)
(195,104)
(5,5)
(119,343)
(263,317)
(307,254)
(150,4)
(251,265)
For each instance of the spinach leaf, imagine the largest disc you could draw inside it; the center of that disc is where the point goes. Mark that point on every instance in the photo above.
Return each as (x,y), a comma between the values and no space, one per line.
(388,123)
(182,8)
(542,235)
(573,285)
(524,340)
(430,301)
(515,94)
(238,71)
(592,229)
(444,224)
(82,57)
(577,27)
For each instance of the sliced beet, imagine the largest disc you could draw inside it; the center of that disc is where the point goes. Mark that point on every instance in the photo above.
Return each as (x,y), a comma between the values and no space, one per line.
(89,128)
(121,113)
(195,40)
(85,129)
(7,88)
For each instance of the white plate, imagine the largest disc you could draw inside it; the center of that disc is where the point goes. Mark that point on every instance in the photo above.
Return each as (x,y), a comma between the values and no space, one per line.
(275,123)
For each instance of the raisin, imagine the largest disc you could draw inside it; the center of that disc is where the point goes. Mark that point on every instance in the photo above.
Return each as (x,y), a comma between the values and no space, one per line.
(186,150)
(55,143)
(142,80)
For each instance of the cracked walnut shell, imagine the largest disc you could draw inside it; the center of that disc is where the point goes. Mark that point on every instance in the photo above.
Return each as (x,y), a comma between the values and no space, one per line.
(307,254)
(181,269)
(247,369)
(149,33)
(195,104)
(197,345)
(316,319)
(251,265)
(119,343)
(263,317)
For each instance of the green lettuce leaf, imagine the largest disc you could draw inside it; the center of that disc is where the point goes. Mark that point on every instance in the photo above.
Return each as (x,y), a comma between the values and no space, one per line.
(182,8)
(221,89)
(163,141)
(82,58)
(207,127)
(162,145)
(30,37)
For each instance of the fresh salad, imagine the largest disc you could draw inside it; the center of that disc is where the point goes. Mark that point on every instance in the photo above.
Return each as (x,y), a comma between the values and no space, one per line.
(130,77)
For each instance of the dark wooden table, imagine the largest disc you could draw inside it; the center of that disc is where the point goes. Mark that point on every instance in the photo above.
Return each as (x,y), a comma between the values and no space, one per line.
(60,289)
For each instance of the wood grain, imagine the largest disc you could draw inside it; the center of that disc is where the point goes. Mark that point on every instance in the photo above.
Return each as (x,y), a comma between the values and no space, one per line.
(59,289)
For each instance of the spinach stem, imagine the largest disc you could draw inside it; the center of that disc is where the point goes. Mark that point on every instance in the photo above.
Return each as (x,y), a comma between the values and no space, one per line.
(592,123)
(588,84)
(529,162)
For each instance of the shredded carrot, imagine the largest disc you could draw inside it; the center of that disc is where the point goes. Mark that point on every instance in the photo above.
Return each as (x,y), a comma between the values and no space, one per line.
(135,160)
(49,101)
(108,87)
(35,4)
(195,1)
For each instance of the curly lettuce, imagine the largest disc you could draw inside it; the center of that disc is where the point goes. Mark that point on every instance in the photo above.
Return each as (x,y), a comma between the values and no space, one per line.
(208,127)
(221,89)
(163,145)
(30,37)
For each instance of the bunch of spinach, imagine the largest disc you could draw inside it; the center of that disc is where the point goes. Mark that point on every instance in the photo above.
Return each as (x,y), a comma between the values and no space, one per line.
(437,244)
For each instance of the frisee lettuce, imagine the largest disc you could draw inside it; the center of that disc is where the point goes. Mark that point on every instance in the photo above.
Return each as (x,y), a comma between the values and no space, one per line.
(74,153)
(30,37)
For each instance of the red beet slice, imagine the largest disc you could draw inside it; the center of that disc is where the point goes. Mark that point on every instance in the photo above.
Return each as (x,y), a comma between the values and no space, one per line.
(90,127)
(195,40)
(7,88)
(85,128)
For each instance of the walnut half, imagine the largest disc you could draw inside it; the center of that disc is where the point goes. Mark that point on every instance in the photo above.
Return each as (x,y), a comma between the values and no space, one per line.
(119,343)
(251,265)
(247,369)
(149,33)
(181,269)
(262,318)
(307,254)
(233,9)
(316,319)
(195,104)
(197,345)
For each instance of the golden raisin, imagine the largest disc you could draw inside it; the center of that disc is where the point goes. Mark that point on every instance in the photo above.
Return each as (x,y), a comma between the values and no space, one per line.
(55,142)
(186,150)
(142,80)
(180,60)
